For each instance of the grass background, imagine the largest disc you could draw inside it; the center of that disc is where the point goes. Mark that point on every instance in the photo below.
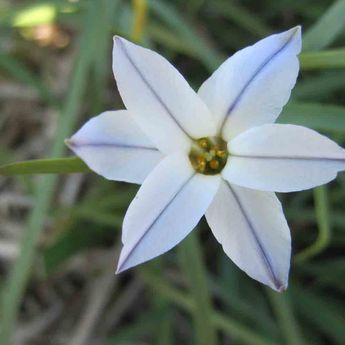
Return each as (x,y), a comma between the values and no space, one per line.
(60,234)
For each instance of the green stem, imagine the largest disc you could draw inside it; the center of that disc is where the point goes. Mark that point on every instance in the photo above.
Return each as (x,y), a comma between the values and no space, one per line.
(324,227)
(140,16)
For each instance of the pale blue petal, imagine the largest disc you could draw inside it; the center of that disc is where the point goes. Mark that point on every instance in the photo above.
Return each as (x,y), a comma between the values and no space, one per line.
(161,101)
(251,87)
(282,158)
(251,227)
(113,146)
(167,207)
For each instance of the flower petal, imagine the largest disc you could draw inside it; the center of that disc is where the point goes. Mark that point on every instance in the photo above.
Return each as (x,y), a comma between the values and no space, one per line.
(251,87)
(167,207)
(282,158)
(251,227)
(160,99)
(113,146)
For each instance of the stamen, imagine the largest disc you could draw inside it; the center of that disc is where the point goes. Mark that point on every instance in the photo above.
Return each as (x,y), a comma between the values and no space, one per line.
(203,143)
(221,153)
(209,155)
(214,164)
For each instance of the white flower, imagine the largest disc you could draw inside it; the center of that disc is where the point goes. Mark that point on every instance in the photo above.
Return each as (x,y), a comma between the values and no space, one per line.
(215,152)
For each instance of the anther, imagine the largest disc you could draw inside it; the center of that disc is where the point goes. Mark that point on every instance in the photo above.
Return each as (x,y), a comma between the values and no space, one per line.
(208,155)
(201,164)
(214,164)
(221,153)
(203,143)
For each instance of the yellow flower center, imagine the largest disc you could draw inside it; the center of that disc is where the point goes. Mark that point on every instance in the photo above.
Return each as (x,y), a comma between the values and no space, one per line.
(208,155)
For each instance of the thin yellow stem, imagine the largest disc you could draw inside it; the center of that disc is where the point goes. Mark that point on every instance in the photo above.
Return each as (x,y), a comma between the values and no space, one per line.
(140,14)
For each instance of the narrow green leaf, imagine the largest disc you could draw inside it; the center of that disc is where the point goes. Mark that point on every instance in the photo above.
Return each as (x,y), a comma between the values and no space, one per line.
(240,305)
(163,333)
(285,317)
(207,54)
(327,28)
(45,166)
(195,271)
(320,310)
(18,277)
(231,327)
(323,117)
(321,86)
(164,36)
(76,239)
(323,60)
(20,72)
(244,18)
(134,331)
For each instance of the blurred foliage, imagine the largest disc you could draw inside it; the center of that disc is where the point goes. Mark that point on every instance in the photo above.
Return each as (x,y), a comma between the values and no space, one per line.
(194,294)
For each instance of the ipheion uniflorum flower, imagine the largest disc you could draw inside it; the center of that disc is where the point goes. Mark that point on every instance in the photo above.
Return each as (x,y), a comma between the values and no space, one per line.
(215,152)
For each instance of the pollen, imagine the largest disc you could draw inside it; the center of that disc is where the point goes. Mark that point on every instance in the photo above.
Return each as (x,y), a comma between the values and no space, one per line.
(208,155)
(214,164)
(203,143)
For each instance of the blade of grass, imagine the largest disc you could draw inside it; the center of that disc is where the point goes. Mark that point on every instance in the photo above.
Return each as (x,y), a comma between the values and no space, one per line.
(285,317)
(18,71)
(324,313)
(242,307)
(207,54)
(16,283)
(166,37)
(223,323)
(192,264)
(45,166)
(324,117)
(327,28)
(324,227)
(323,60)
(308,215)
(163,333)
(131,333)
(102,60)
(243,18)
(321,86)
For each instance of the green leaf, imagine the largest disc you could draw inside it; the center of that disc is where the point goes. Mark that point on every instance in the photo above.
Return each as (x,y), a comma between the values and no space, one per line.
(327,28)
(223,322)
(195,271)
(323,117)
(73,241)
(285,316)
(45,166)
(321,86)
(16,69)
(322,60)
(239,14)
(15,286)
(322,311)
(186,32)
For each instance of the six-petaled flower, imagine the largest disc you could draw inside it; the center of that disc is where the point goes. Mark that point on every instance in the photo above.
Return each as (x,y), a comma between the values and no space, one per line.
(216,152)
